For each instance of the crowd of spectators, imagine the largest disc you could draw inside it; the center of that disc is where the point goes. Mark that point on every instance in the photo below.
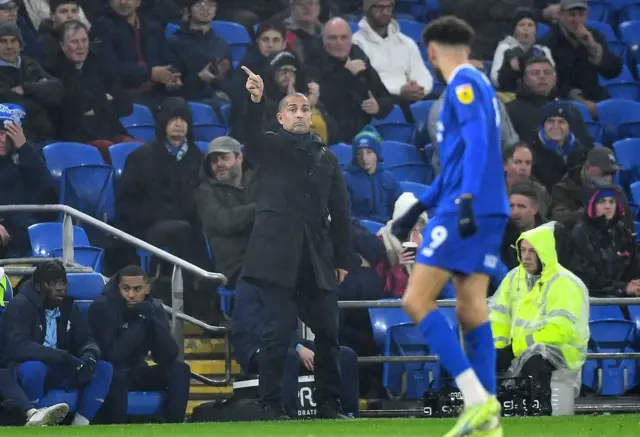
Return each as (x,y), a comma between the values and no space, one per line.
(70,69)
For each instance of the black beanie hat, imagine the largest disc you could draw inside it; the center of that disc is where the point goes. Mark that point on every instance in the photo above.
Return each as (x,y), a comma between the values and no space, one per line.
(521,14)
(49,271)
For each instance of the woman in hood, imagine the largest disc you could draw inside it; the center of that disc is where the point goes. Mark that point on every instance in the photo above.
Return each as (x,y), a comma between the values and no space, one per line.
(603,251)
(505,70)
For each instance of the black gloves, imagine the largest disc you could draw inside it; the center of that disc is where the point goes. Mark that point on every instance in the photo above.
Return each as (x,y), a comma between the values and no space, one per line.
(85,368)
(144,310)
(402,226)
(466,220)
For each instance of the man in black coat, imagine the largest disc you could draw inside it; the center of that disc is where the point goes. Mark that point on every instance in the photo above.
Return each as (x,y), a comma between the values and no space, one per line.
(299,246)
(128,324)
(45,338)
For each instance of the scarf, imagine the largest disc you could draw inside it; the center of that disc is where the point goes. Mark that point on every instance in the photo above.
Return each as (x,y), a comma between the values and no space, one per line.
(562,150)
(178,152)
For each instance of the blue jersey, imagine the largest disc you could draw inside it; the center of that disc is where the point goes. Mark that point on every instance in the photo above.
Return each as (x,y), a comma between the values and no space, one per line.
(470,147)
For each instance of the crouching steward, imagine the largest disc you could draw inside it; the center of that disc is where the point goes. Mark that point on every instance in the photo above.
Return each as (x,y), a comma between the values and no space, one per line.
(128,324)
(540,321)
(47,344)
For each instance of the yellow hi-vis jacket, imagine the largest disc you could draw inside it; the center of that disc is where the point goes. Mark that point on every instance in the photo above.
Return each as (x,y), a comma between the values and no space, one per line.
(551,319)
(3,286)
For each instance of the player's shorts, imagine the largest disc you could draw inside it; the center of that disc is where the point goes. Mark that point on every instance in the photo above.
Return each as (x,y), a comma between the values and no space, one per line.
(443,247)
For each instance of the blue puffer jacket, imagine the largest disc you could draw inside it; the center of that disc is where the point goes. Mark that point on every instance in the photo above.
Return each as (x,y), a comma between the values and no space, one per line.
(372,197)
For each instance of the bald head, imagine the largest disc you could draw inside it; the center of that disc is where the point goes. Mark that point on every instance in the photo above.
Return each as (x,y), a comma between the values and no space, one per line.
(336,36)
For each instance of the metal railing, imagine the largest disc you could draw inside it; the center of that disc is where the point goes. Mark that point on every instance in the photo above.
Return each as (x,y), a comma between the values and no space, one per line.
(177,295)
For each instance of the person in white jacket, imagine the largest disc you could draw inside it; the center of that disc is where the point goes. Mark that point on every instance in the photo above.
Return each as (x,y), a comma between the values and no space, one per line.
(394,56)
(505,70)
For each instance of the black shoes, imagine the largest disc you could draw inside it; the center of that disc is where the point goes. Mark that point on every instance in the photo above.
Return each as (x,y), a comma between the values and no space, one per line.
(270,412)
(331,412)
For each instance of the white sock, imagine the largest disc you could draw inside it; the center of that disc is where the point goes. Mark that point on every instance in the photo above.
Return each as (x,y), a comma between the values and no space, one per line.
(472,390)
(79,420)
(30,413)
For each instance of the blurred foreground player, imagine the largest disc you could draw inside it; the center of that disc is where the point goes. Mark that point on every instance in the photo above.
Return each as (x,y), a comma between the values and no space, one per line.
(462,240)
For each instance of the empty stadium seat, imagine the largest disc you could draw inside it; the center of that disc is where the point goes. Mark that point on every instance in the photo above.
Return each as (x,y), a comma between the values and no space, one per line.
(414,172)
(584,111)
(119,153)
(413,187)
(86,256)
(598,10)
(170,29)
(140,124)
(206,125)
(594,128)
(235,35)
(421,110)
(629,11)
(397,152)
(343,152)
(46,237)
(225,110)
(610,377)
(394,127)
(372,226)
(412,29)
(90,189)
(628,153)
(630,32)
(543,29)
(612,113)
(622,87)
(203,146)
(354,26)
(85,288)
(60,156)
(635,192)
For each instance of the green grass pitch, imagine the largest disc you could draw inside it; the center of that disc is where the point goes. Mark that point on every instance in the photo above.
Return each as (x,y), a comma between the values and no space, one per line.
(580,426)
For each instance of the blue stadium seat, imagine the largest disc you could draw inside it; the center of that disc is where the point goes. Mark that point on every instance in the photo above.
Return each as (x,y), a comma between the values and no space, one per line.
(86,256)
(605,312)
(598,10)
(235,34)
(543,29)
(603,28)
(630,11)
(635,192)
(354,26)
(622,87)
(610,377)
(397,152)
(372,226)
(140,124)
(145,403)
(594,128)
(90,189)
(630,31)
(419,173)
(412,29)
(584,111)
(170,29)
(227,297)
(119,153)
(206,125)
(203,146)
(421,110)
(343,152)
(46,237)
(226,114)
(60,156)
(394,127)
(413,187)
(416,8)
(628,153)
(85,288)
(614,112)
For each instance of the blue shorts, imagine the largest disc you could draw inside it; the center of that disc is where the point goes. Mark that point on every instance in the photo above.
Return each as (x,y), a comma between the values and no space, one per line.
(443,247)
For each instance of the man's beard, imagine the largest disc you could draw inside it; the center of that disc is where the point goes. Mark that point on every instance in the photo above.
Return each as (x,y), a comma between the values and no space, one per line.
(439,76)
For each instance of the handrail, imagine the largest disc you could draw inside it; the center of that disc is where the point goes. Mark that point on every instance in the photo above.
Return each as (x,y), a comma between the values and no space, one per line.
(165,256)
(450,303)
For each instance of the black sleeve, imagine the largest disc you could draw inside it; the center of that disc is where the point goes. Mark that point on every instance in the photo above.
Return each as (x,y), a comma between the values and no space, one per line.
(104,326)
(82,339)
(610,66)
(163,345)
(253,124)
(340,216)
(46,89)
(380,92)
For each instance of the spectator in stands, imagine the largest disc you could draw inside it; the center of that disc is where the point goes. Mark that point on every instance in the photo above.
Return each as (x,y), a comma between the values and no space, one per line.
(392,54)
(246,337)
(270,39)
(373,191)
(570,194)
(604,253)
(94,99)
(128,324)
(505,69)
(24,82)
(202,56)
(284,76)
(556,150)
(537,88)
(62,11)
(581,55)
(540,316)
(9,14)
(303,29)
(136,49)
(24,179)
(518,162)
(37,11)
(154,199)
(508,134)
(524,204)
(250,12)
(547,11)
(47,341)
(491,20)
(224,201)
(398,265)
(352,90)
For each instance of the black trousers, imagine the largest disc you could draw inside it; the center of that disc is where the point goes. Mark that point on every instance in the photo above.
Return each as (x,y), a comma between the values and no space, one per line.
(11,394)
(173,378)
(318,309)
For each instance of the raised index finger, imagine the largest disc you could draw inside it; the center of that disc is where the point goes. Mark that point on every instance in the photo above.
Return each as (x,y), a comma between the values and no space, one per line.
(246,70)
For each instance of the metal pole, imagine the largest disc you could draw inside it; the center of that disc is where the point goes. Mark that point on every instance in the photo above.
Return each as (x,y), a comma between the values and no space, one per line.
(177,305)
(67,239)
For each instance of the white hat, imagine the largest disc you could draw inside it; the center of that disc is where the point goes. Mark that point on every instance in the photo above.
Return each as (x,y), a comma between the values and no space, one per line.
(403,204)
